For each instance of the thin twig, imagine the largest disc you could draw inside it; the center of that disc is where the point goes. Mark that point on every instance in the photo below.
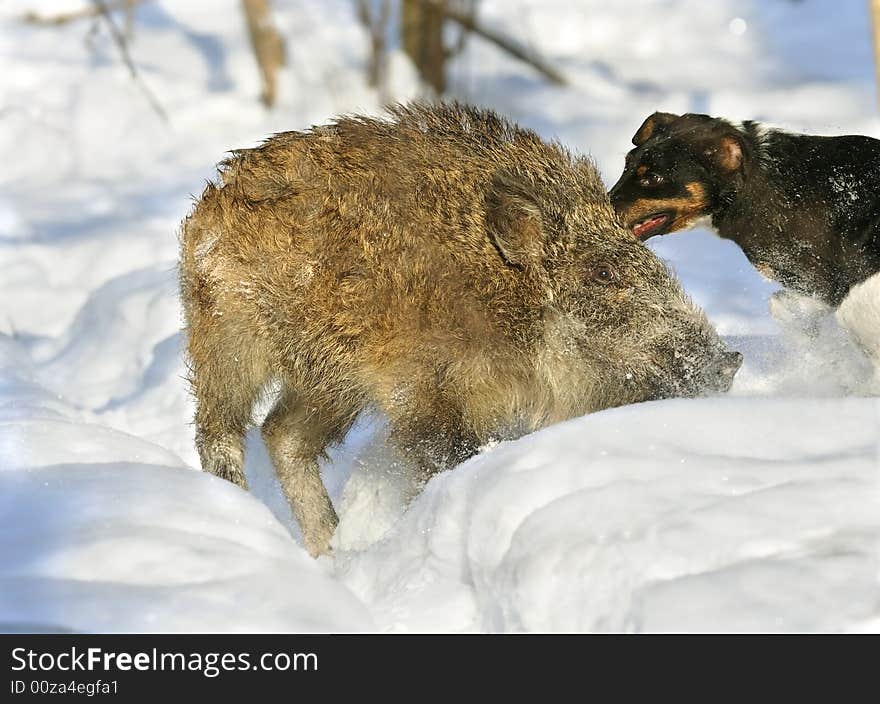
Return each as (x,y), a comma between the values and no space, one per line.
(122,45)
(82,14)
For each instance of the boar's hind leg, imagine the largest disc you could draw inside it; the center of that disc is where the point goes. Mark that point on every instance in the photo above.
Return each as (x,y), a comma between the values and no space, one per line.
(223,413)
(226,373)
(296,433)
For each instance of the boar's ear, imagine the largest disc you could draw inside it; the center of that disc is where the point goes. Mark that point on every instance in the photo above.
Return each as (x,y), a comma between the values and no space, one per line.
(513,219)
(654,123)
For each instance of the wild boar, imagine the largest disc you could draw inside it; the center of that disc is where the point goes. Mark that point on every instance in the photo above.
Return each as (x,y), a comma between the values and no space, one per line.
(443,266)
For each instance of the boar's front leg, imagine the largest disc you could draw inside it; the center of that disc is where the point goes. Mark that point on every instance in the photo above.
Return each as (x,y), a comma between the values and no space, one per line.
(432,434)
(296,433)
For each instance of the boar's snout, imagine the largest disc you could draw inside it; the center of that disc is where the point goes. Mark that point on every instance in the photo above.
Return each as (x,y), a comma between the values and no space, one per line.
(700,375)
(723,370)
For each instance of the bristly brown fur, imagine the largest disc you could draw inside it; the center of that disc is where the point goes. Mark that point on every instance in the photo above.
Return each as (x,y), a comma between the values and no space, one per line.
(443,265)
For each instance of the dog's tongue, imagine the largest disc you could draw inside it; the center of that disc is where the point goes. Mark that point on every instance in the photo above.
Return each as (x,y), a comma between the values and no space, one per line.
(645,226)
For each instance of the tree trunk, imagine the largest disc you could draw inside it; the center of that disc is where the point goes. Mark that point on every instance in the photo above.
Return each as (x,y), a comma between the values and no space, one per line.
(422,37)
(874,6)
(268,46)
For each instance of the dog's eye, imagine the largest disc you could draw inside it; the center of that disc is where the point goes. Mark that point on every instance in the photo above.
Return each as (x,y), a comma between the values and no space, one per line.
(651,179)
(604,274)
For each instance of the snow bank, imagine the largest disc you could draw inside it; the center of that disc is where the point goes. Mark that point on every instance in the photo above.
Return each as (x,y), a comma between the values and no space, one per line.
(104,531)
(137,547)
(757,516)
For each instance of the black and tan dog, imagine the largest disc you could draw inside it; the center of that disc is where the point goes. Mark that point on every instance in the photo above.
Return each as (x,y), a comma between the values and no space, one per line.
(804,209)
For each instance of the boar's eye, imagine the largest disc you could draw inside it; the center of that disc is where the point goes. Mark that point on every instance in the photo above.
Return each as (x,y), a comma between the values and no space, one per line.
(604,274)
(650,179)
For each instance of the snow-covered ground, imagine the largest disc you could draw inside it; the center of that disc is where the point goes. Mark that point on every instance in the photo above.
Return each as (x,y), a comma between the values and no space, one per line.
(759,510)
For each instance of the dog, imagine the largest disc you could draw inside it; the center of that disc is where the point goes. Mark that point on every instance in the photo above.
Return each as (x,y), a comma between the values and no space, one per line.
(804,209)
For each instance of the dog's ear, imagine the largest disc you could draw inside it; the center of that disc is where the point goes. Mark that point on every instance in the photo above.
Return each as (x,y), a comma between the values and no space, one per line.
(514,221)
(726,152)
(654,123)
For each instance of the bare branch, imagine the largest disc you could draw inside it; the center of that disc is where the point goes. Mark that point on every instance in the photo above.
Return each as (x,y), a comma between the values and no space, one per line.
(469,8)
(511,46)
(129,6)
(82,14)
(121,44)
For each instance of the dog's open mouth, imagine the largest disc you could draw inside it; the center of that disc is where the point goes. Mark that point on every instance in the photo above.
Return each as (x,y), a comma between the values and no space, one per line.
(651,225)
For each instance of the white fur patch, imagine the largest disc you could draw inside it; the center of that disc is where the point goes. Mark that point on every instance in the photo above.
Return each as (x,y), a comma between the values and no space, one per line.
(859,314)
(704,222)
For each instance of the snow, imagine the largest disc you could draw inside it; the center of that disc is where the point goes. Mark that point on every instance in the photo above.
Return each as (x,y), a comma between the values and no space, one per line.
(758,510)
(747,524)
(134,546)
